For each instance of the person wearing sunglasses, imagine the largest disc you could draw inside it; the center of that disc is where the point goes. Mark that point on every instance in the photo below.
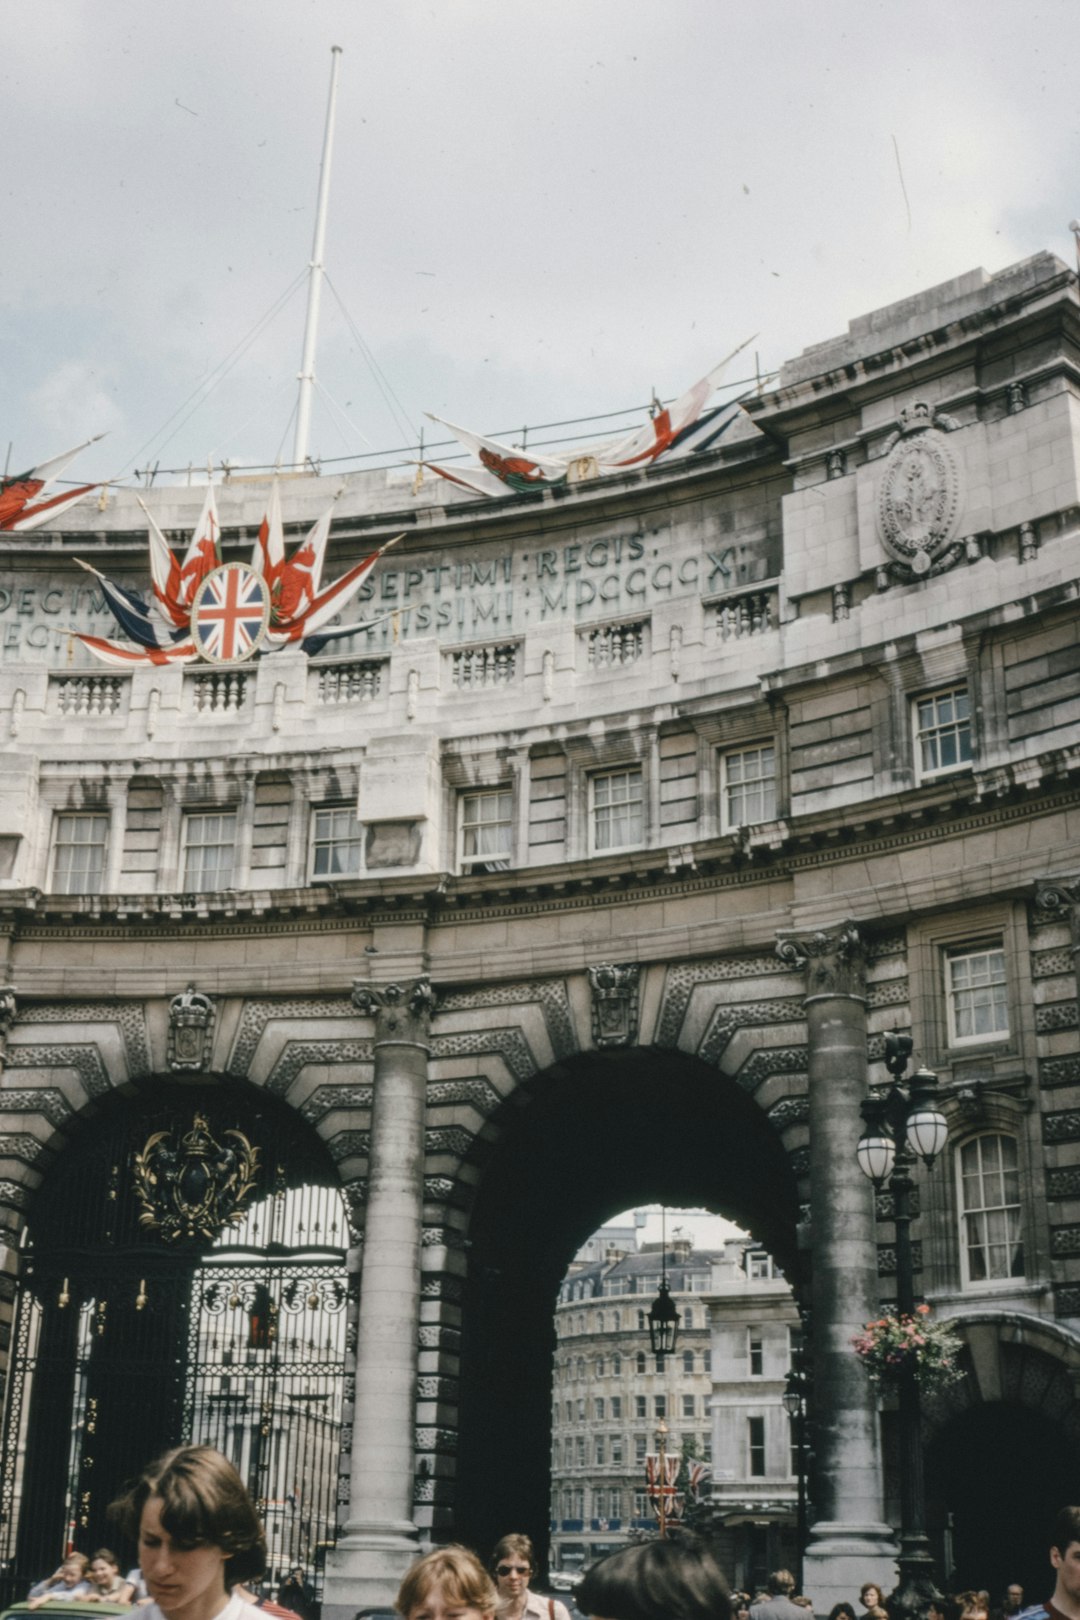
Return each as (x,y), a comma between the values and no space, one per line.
(514,1563)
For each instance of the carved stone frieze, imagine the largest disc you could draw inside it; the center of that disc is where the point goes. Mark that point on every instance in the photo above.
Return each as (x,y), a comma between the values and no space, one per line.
(1059,1015)
(128,1016)
(191,1028)
(770,1060)
(614,1003)
(1059,1071)
(325,1098)
(258,1013)
(8,1009)
(550,994)
(47,1101)
(1063,1182)
(790,1111)
(296,1055)
(510,1044)
(728,1019)
(683,979)
(834,961)
(85,1060)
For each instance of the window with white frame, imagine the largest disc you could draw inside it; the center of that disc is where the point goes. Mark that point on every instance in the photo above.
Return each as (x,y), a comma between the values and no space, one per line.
(618,809)
(942,723)
(335,842)
(688,1406)
(598,1408)
(641,1504)
(616,1406)
(988,1175)
(976,994)
(755,1353)
(486,830)
(617,1449)
(80,844)
(758,1263)
(688,1361)
(209,842)
(748,786)
(640,1443)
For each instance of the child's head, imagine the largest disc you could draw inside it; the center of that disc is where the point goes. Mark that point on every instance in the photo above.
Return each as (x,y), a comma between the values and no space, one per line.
(73,1569)
(450,1577)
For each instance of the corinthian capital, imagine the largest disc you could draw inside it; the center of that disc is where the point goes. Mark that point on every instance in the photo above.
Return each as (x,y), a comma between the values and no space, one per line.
(403,1010)
(1060,897)
(833,960)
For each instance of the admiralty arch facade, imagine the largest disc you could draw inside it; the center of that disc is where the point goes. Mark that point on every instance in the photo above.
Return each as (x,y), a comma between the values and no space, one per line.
(595,874)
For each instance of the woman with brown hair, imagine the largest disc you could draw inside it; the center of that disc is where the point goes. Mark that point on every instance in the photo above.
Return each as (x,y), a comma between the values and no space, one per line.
(198,1535)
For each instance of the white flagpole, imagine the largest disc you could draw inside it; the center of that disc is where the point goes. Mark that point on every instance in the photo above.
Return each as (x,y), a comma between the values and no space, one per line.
(311,324)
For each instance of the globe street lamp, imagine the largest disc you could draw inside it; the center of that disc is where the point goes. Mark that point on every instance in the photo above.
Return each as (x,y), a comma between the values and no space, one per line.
(900,1126)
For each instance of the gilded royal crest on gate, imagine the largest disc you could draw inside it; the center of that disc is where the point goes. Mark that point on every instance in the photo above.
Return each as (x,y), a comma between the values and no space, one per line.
(194,1187)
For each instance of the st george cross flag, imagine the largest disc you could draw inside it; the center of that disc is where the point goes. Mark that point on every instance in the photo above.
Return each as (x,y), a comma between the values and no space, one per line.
(656,436)
(269,550)
(20,511)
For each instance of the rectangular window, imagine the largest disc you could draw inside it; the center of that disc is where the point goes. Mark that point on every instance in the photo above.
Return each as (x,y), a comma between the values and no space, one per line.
(688,1361)
(616,1450)
(616,1407)
(758,1265)
(599,1407)
(992,1249)
(976,995)
(706,1361)
(640,1408)
(641,1504)
(755,1445)
(639,1447)
(755,1353)
(748,786)
(688,1402)
(942,732)
(618,817)
(79,846)
(659,1406)
(598,1450)
(486,836)
(209,840)
(335,842)
(581,1451)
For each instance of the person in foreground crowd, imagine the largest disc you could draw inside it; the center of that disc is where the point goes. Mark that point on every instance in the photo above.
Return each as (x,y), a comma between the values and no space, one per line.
(107,1585)
(514,1565)
(778,1605)
(656,1580)
(1065,1559)
(66,1583)
(449,1584)
(198,1535)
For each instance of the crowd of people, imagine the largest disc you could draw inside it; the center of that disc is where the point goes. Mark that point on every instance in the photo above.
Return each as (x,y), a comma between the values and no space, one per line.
(202,1552)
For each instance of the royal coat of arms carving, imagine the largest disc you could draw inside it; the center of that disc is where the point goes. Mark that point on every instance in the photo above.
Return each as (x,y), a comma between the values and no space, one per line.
(194,1187)
(919,496)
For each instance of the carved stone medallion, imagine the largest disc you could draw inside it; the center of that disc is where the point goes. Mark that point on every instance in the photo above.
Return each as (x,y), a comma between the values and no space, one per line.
(614,1003)
(191,1020)
(919,494)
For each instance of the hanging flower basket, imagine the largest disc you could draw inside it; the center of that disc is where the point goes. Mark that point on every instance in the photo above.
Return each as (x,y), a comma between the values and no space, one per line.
(897,1342)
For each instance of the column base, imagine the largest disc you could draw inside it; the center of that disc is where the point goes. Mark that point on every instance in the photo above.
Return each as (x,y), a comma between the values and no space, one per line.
(841,1556)
(365,1568)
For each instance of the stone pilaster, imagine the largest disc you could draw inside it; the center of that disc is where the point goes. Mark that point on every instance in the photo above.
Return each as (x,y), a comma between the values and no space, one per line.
(1060,897)
(380,1538)
(849,1540)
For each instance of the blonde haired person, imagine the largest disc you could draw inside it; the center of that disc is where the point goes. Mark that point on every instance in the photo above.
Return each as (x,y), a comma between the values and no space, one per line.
(449,1584)
(66,1583)
(514,1565)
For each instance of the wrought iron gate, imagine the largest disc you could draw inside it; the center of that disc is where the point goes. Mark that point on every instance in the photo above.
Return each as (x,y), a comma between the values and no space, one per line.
(156,1308)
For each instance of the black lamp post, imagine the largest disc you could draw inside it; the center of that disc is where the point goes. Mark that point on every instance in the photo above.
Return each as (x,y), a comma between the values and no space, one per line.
(663,1317)
(901,1126)
(794,1402)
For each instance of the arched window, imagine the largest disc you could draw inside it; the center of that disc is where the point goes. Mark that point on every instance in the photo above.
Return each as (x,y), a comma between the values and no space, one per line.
(616,1366)
(988,1195)
(581,1367)
(616,1321)
(599,1321)
(641,1321)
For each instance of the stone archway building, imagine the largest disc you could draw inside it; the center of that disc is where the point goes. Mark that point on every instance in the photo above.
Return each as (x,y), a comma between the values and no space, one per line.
(674,792)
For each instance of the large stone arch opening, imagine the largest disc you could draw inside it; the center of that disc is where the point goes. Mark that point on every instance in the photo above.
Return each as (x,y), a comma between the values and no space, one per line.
(591,1136)
(182,1277)
(1003,1452)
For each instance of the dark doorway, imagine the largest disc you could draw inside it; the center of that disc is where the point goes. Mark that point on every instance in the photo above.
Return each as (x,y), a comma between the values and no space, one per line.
(996,1476)
(182,1279)
(596,1135)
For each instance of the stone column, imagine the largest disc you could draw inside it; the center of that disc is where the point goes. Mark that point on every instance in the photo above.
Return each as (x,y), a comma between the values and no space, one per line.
(849,1540)
(380,1538)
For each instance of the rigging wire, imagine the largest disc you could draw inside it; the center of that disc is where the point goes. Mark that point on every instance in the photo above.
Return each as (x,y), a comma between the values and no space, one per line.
(340,417)
(221,370)
(382,382)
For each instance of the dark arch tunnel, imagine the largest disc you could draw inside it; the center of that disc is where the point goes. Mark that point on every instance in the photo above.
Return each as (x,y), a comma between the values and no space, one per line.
(599,1133)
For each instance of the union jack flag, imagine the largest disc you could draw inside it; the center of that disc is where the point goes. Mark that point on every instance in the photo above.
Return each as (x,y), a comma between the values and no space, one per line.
(229,613)
(663,1489)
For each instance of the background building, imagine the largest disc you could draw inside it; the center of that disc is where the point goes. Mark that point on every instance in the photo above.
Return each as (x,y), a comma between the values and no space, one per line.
(609,1395)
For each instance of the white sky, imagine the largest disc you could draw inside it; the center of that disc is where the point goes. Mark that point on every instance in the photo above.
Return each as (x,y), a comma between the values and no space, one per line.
(707,1231)
(538,211)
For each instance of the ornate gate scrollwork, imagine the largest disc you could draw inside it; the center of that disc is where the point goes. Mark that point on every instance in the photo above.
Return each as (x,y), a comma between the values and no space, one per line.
(196,1188)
